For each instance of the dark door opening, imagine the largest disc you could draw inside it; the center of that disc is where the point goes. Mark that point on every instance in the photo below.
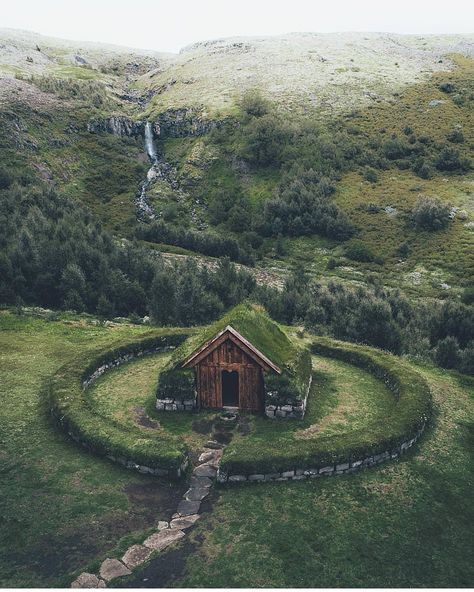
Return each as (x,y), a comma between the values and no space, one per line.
(230,388)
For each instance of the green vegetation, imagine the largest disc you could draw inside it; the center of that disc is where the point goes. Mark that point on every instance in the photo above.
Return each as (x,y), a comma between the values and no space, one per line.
(60,506)
(406,524)
(105,435)
(280,448)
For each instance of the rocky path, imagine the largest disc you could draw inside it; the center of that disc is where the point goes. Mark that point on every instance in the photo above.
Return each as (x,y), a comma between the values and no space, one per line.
(167,533)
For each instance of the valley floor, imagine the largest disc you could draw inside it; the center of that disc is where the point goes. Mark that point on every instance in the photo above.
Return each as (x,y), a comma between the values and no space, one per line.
(406,524)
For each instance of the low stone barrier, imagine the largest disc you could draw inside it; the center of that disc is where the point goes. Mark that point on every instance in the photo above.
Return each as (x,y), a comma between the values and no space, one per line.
(123,360)
(176,404)
(295,411)
(340,468)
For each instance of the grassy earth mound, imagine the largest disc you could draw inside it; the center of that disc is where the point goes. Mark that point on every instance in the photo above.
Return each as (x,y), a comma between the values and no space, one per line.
(71,407)
(362,401)
(278,448)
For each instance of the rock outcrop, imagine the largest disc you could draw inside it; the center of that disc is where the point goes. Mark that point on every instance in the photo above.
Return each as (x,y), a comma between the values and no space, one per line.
(118,125)
(174,123)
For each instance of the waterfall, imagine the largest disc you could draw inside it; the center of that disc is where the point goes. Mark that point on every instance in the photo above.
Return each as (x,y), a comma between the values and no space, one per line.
(145,209)
(150,142)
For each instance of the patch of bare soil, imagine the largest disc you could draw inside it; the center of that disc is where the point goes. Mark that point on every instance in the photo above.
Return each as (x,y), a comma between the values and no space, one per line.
(142,419)
(168,568)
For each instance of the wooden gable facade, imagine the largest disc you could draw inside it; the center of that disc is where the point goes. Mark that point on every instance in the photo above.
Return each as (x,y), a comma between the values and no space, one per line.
(229,372)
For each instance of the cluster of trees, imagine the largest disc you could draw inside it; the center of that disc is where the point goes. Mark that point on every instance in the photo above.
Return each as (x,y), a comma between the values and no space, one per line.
(207,243)
(54,254)
(385,318)
(303,206)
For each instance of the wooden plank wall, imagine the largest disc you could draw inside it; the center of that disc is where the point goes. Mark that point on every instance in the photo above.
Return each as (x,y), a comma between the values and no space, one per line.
(228,356)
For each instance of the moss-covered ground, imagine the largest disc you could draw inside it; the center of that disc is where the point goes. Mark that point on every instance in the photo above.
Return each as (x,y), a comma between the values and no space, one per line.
(62,509)
(405,524)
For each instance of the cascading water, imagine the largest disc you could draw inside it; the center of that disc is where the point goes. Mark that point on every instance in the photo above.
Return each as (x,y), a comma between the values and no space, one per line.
(143,206)
(150,142)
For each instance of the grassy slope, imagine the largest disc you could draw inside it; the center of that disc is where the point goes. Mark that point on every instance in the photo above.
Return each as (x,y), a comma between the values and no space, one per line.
(403,525)
(60,507)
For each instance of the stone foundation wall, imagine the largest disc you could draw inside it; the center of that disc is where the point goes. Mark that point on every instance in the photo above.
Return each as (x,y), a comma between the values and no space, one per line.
(123,360)
(295,411)
(341,468)
(177,404)
(131,464)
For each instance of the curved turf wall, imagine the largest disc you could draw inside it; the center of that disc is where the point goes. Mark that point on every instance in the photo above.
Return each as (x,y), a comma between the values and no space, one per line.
(377,442)
(158,454)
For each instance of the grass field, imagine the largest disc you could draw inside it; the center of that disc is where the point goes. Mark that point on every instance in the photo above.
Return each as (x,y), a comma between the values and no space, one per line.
(406,524)
(62,509)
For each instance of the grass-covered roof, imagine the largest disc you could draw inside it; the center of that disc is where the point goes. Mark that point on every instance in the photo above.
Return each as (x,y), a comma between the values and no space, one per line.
(253,323)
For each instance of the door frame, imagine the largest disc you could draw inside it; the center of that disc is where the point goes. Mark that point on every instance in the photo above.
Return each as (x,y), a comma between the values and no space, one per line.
(237,373)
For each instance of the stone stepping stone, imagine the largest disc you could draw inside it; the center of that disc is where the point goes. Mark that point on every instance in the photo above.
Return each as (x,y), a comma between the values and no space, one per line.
(205,471)
(196,494)
(162,524)
(213,445)
(186,508)
(200,482)
(164,538)
(88,580)
(136,555)
(212,455)
(113,568)
(185,522)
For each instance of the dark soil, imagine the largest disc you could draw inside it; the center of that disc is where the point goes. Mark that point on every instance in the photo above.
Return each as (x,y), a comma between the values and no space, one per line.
(143,420)
(166,570)
(203,426)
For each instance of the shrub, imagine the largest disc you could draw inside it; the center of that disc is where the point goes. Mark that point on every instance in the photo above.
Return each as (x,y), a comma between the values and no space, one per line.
(371,175)
(359,251)
(254,104)
(447,87)
(425,171)
(466,364)
(449,159)
(447,352)
(6,179)
(176,384)
(455,136)
(430,213)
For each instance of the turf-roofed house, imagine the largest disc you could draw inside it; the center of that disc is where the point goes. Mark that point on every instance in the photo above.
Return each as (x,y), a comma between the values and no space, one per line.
(245,361)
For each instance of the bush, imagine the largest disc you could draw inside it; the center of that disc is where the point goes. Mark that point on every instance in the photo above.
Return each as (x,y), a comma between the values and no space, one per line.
(360,252)
(371,175)
(6,179)
(447,352)
(254,104)
(449,159)
(455,136)
(430,213)
(176,384)
(466,364)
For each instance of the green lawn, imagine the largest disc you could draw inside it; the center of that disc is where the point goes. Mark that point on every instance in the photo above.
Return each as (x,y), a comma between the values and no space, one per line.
(405,524)
(60,507)
(344,398)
